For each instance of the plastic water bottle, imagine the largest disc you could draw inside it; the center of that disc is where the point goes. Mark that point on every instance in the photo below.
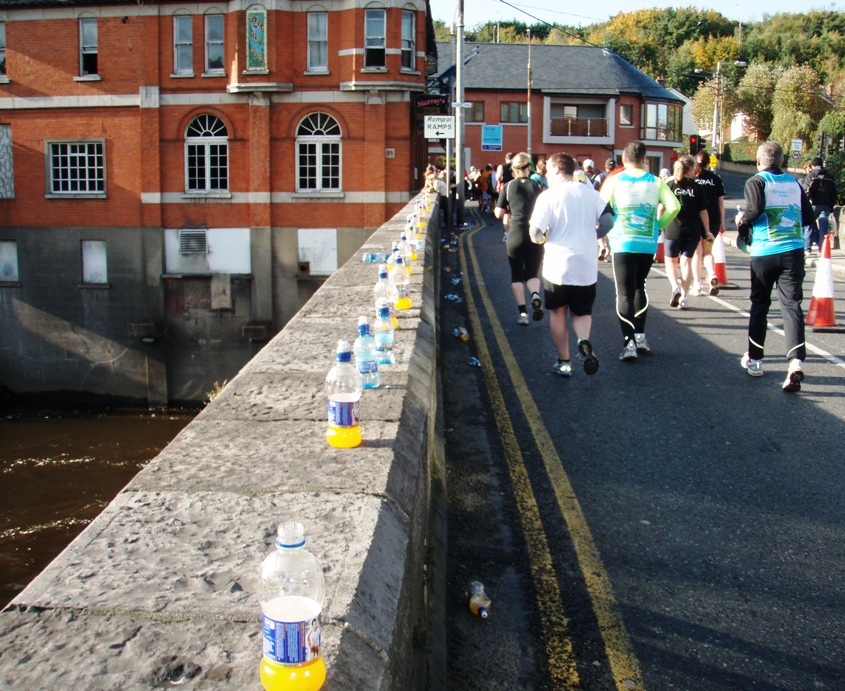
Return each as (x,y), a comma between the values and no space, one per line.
(479,603)
(291,593)
(373,257)
(366,356)
(383,292)
(410,252)
(384,336)
(394,252)
(401,283)
(343,388)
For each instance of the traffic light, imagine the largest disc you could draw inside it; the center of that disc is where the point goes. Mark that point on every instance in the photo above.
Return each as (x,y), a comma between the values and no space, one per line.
(694,144)
(702,143)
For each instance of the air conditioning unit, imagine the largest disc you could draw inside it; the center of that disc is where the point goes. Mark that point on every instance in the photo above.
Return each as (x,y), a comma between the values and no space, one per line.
(193,241)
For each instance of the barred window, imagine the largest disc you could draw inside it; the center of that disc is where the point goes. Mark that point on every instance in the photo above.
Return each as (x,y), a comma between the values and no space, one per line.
(77,167)
(206,155)
(318,140)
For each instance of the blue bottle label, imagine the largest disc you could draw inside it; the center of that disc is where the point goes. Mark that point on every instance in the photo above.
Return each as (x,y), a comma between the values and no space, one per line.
(367,366)
(291,642)
(344,413)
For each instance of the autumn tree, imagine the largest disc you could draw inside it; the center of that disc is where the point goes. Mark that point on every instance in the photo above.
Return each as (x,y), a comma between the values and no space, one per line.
(797,104)
(755,98)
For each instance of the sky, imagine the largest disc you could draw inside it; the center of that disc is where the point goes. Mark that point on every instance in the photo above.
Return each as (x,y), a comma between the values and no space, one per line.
(478,12)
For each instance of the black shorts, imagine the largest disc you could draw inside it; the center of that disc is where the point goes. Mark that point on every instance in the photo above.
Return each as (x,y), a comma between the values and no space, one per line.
(579,299)
(685,246)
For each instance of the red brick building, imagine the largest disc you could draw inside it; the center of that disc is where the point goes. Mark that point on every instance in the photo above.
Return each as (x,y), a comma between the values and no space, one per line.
(185,174)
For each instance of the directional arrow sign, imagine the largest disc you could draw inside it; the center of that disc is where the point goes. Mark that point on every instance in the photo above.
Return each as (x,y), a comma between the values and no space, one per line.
(439,126)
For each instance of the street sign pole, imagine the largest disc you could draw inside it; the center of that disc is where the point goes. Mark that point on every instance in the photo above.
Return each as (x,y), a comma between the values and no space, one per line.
(459,114)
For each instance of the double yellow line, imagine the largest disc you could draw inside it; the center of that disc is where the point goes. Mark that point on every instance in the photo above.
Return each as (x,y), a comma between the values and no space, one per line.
(624,666)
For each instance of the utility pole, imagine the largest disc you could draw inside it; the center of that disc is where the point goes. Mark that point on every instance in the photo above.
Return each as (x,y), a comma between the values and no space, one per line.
(528,149)
(459,114)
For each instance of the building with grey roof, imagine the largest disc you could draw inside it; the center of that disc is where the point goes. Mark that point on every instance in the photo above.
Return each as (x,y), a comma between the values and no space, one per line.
(585,100)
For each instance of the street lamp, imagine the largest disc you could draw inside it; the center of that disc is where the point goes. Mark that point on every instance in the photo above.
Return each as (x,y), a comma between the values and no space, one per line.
(717,129)
(528,107)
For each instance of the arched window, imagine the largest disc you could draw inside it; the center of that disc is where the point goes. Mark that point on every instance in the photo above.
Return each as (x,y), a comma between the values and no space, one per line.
(206,155)
(318,154)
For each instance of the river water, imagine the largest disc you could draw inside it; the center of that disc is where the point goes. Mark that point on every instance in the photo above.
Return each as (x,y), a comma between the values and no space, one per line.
(59,468)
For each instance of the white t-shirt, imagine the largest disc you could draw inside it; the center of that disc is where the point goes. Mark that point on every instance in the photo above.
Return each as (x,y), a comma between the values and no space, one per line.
(567,214)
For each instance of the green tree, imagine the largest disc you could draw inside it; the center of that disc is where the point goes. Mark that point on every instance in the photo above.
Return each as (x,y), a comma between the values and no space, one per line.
(797,105)
(833,126)
(755,98)
(704,101)
(441,31)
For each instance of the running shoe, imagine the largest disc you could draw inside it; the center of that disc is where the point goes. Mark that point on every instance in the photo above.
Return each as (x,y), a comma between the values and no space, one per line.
(794,376)
(676,296)
(714,286)
(683,304)
(629,353)
(523,319)
(642,343)
(695,290)
(753,367)
(538,307)
(603,254)
(563,369)
(591,362)
(505,238)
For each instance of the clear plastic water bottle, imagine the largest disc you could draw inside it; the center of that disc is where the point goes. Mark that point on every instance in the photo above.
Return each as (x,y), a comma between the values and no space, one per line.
(383,291)
(366,356)
(373,257)
(291,593)
(406,249)
(394,252)
(343,388)
(401,283)
(384,336)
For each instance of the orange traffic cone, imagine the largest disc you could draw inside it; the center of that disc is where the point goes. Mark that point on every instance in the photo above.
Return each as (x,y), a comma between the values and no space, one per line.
(659,256)
(718,252)
(822,312)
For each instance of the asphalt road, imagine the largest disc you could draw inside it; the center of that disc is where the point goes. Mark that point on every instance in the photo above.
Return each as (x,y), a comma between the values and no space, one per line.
(668,524)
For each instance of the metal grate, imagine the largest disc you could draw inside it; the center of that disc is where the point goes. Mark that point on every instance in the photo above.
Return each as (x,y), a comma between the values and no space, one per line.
(193,241)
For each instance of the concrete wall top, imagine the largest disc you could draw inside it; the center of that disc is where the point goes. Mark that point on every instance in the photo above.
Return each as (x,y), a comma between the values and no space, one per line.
(161,588)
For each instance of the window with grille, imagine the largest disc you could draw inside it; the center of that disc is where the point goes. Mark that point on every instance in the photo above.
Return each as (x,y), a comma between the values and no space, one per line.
(88,47)
(375,38)
(318,154)
(514,112)
(77,167)
(183,44)
(409,45)
(318,41)
(206,155)
(214,44)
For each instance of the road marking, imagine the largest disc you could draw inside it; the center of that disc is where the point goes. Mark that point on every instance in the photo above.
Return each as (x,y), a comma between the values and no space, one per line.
(624,665)
(839,362)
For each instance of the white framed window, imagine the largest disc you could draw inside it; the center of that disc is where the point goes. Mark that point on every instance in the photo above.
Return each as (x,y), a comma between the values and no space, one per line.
(2,49)
(9,271)
(7,169)
(409,40)
(318,140)
(662,122)
(375,38)
(88,47)
(77,168)
(626,115)
(214,44)
(94,262)
(318,41)
(206,155)
(183,44)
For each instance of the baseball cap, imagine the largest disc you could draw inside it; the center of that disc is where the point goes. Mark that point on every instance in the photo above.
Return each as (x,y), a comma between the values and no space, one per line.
(589,163)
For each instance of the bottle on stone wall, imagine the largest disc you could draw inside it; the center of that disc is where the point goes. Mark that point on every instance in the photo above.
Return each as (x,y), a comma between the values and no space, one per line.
(384,335)
(384,291)
(366,356)
(394,252)
(343,388)
(291,593)
(407,251)
(401,283)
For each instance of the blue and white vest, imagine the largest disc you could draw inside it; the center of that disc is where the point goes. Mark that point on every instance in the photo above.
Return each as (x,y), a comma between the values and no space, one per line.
(779,228)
